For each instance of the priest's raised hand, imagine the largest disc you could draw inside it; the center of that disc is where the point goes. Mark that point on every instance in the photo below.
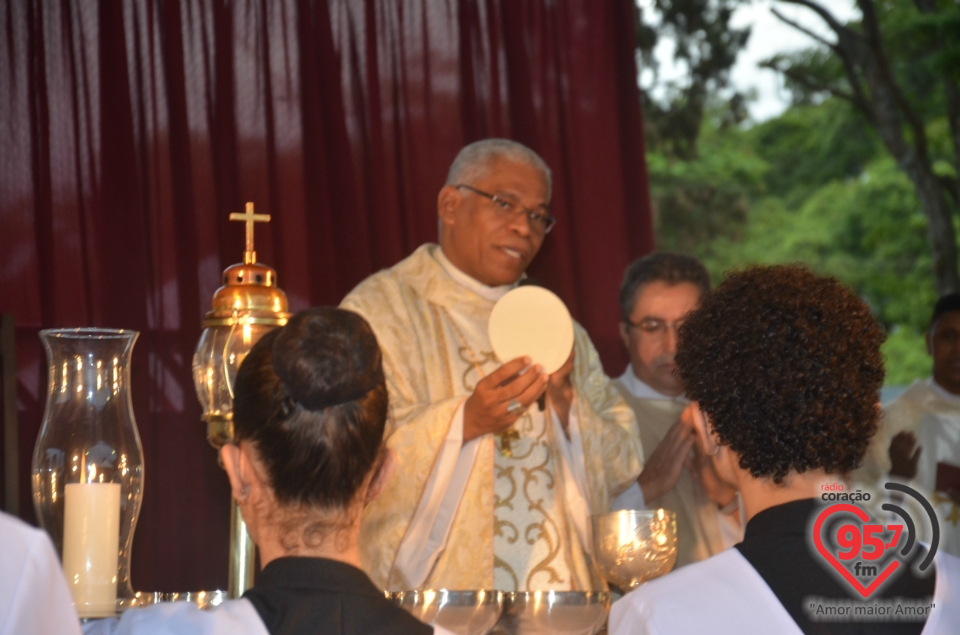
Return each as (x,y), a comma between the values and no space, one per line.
(502,397)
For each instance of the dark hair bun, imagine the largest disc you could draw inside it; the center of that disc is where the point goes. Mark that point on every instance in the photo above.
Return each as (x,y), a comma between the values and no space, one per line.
(312,399)
(327,356)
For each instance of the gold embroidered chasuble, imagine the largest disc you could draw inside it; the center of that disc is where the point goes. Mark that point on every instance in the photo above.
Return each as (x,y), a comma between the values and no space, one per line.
(698,527)
(433,334)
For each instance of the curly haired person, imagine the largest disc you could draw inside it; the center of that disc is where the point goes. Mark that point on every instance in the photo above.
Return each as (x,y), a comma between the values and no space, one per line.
(785,367)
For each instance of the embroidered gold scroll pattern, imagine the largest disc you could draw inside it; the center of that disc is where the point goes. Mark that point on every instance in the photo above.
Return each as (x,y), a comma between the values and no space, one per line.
(502,565)
(546,530)
(474,364)
(506,473)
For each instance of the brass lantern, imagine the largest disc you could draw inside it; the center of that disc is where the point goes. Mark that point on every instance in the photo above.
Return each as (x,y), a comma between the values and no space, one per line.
(247,306)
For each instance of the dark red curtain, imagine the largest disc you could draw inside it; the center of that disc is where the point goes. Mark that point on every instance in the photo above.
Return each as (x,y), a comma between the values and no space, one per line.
(129,130)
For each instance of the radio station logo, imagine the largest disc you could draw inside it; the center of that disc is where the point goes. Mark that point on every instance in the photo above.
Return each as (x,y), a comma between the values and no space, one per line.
(866,553)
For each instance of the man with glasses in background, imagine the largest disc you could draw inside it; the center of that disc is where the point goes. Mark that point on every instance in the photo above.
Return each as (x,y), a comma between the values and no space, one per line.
(491,490)
(657,293)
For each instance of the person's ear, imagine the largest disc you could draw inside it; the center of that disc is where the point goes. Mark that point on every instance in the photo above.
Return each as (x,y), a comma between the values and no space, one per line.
(448,202)
(625,334)
(239,485)
(382,476)
(709,441)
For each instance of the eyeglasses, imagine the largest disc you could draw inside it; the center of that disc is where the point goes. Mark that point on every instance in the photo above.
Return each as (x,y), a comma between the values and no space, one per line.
(655,328)
(510,210)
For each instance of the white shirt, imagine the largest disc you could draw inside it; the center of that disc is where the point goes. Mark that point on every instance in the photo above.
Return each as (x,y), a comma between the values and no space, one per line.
(724,595)
(943,393)
(641,390)
(938,435)
(34,598)
(730,518)
(490,293)
(234,617)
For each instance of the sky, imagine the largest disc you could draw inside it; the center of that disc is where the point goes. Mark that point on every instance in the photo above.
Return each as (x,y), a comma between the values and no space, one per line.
(769,36)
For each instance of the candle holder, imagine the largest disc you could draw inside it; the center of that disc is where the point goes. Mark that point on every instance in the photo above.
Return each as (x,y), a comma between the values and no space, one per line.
(88,465)
(244,309)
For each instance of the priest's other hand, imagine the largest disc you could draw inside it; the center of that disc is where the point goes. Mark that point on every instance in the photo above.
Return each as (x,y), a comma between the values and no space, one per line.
(904,455)
(560,392)
(487,409)
(663,467)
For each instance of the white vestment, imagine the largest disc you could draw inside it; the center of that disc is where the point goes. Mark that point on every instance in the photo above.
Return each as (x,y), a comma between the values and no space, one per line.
(933,415)
(34,597)
(234,617)
(468,516)
(703,529)
(725,595)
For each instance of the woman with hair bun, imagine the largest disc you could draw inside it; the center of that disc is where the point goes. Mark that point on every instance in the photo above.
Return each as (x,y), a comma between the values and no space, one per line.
(309,414)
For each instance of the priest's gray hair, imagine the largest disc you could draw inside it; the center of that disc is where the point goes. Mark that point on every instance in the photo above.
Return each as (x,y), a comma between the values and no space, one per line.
(474,160)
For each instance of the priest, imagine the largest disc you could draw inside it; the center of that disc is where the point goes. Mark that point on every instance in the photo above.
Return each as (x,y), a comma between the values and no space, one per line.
(499,466)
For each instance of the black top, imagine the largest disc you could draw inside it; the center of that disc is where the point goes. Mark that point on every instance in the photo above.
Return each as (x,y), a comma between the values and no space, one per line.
(317,596)
(775,543)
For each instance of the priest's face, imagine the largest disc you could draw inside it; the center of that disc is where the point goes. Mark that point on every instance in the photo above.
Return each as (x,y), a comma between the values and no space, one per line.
(944,346)
(484,238)
(651,334)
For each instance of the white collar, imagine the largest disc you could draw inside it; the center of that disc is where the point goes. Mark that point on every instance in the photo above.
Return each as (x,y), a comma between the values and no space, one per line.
(490,293)
(641,390)
(942,392)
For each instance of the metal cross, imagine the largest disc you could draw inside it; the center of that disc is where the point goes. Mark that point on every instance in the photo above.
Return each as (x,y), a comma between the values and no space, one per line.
(250,256)
(506,439)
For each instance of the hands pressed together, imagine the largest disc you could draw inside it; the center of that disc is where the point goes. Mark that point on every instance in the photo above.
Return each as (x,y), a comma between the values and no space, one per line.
(678,450)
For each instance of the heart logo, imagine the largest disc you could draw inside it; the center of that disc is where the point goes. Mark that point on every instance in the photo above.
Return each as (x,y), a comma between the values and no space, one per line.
(829,557)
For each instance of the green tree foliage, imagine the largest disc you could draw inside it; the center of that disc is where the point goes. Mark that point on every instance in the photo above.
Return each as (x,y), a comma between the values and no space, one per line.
(898,67)
(811,186)
(832,141)
(698,200)
(818,184)
(867,231)
(905,352)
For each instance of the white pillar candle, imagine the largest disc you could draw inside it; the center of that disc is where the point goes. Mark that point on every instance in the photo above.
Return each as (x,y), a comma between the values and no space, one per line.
(91,546)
